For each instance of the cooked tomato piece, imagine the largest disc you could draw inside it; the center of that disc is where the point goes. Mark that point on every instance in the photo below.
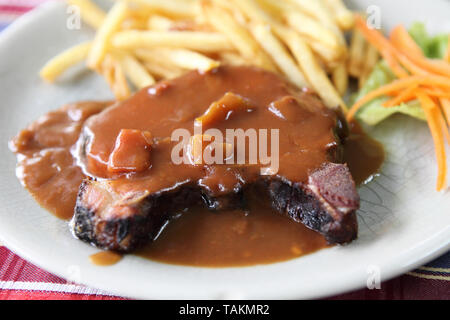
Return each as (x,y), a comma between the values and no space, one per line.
(131,152)
(223,109)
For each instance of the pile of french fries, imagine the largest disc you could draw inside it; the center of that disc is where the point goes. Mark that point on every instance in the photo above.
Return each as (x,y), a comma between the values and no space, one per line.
(139,42)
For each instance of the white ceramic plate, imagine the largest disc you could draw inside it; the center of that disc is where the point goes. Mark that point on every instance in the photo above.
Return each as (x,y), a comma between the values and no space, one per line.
(403,222)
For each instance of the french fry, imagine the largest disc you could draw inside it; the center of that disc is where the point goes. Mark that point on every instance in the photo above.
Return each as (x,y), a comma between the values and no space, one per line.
(279,54)
(194,40)
(332,58)
(229,5)
(277,9)
(120,88)
(115,77)
(162,72)
(320,11)
(370,61)
(57,65)
(344,17)
(356,54)
(158,65)
(139,11)
(133,23)
(188,59)
(238,36)
(234,59)
(284,9)
(107,71)
(262,32)
(144,40)
(224,22)
(101,42)
(159,23)
(90,12)
(175,8)
(314,73)
(154,56)
(135,71)
(311,28)
(253,11)
(340,79)
(222,4)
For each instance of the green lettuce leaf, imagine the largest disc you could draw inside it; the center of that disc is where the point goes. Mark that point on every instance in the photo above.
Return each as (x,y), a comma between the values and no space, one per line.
(434,47)
(373,112)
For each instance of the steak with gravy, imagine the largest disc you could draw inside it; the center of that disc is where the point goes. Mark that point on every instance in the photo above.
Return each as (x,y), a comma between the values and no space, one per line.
(133,187)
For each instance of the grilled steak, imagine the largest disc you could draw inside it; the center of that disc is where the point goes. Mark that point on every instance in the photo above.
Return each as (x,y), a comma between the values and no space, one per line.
(123,205)
(326,204)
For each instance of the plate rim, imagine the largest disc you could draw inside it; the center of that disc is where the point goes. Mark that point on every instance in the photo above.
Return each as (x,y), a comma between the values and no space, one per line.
(15,246)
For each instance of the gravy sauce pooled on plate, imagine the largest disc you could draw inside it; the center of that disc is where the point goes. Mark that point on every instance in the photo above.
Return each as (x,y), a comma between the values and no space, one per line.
(211,215)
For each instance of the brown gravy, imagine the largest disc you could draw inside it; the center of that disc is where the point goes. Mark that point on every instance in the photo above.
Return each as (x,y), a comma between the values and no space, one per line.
(48,169)
(306,129)
(232,238)
(262,236)
(105,258)
(363,155)
(46,166)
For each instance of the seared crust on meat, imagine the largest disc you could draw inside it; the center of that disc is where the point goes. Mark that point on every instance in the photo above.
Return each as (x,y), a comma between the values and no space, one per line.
(327,204)
(126,224)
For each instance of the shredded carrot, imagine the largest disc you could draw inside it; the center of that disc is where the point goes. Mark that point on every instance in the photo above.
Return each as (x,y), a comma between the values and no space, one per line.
(382,45)
(445,128)
(436,66)
(445,104)
(435,124)
(411,66)
(415,63)
(447,55)
(397,85)
(392,55)
(401,39)
(403,42)
(419,78)
(404,96)
(409,94)
(437,92)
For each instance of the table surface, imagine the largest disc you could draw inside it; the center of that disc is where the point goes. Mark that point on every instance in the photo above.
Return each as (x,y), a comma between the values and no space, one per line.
(20,279)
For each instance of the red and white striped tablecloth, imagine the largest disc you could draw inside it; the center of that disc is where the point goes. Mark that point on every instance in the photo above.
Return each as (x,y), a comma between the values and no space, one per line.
(20,279)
